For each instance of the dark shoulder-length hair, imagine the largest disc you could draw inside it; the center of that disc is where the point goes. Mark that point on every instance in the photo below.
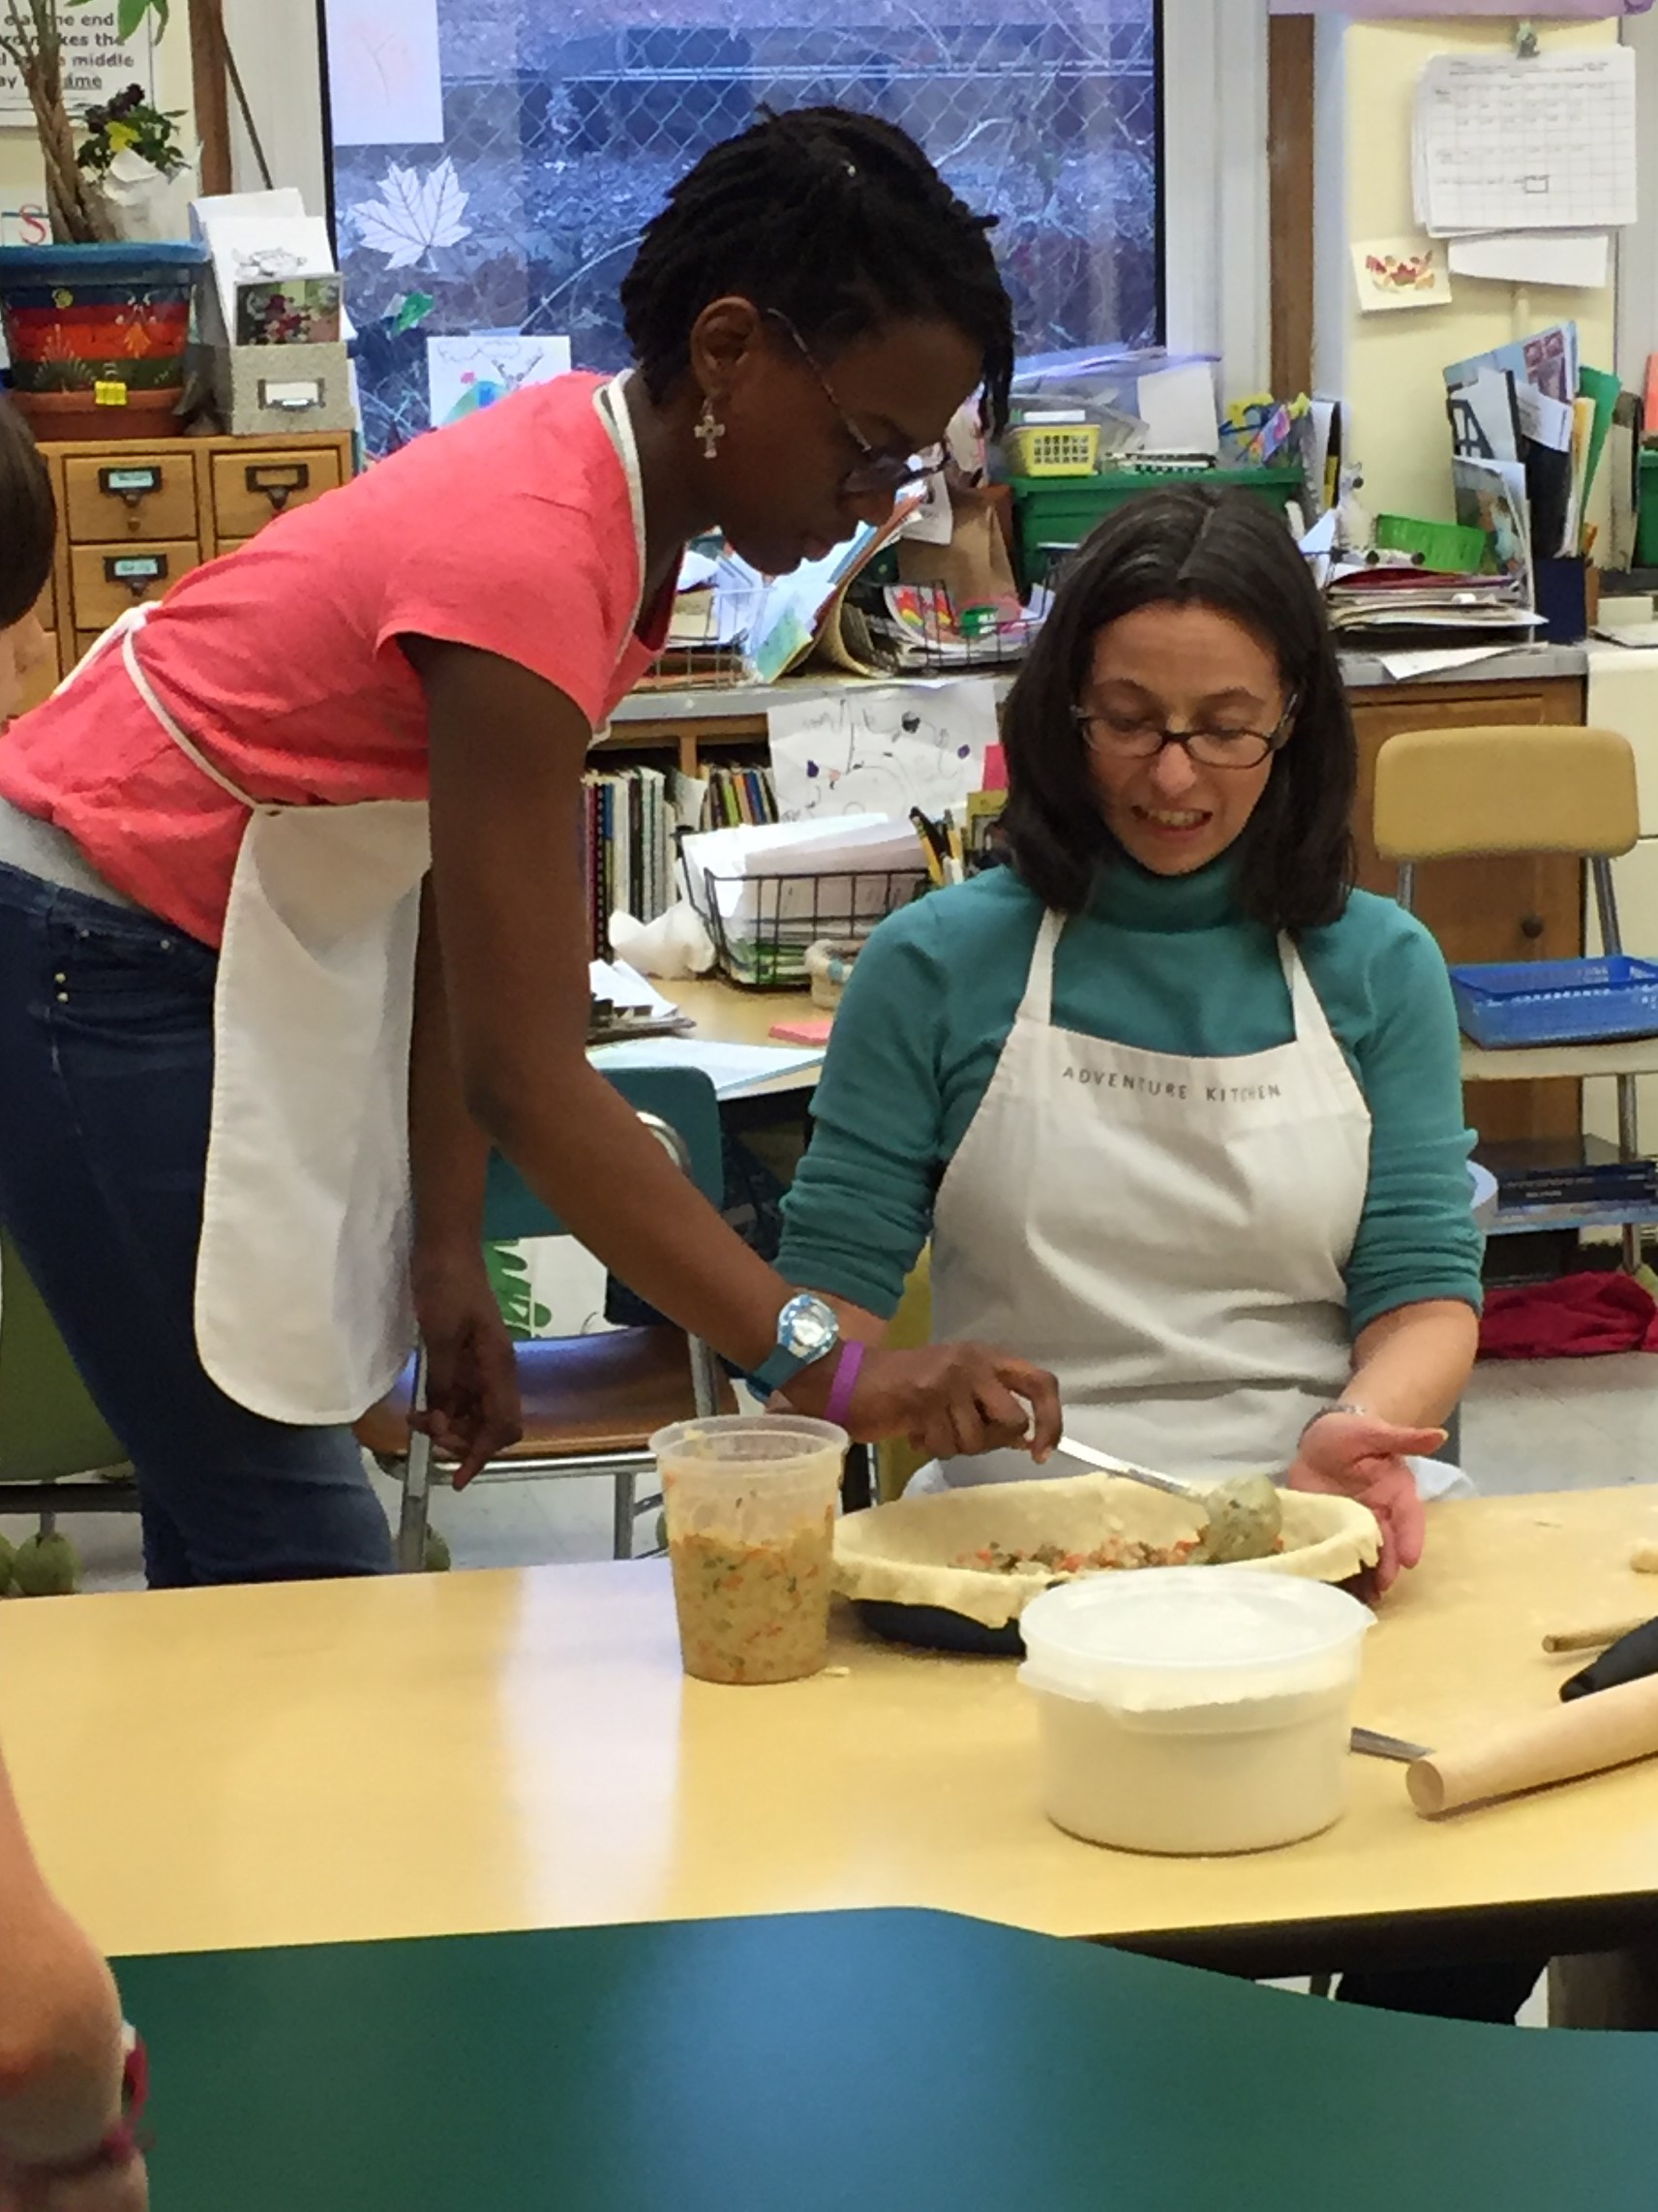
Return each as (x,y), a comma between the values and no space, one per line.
(1183,545)
(28,519)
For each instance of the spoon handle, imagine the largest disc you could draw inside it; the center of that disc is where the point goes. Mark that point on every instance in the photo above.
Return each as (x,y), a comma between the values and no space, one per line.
(1171,1483)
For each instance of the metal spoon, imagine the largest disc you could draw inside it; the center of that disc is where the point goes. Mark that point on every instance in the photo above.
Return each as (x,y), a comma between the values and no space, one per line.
(1245,1515)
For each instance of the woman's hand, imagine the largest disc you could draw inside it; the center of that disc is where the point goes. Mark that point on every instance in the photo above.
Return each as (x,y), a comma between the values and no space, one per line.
(946,1398)
(472,1409)
(119,2188)
(1357,1455)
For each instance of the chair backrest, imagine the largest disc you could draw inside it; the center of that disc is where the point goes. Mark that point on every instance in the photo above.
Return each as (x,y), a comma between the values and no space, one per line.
(683,1098)
(1442,793)
(49,1425)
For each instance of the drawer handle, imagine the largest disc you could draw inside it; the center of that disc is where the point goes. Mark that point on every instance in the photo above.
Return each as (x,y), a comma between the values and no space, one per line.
(129,484)
(1531,925)
(137,570)
(279,485)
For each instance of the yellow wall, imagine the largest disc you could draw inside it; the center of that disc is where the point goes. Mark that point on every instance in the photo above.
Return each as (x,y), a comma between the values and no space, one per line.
(20,176)
(1388,365)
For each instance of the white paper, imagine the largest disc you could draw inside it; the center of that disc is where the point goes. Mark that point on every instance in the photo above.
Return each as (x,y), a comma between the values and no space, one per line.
(384,88)
(846,864)
(1434,660)
(264,249)
(1483,416)
(1580,258)
(1545,421)
(96,65)
(465,373)
(882,751)
(1540,145)
(733,1068)
(626,986)
(1177,407)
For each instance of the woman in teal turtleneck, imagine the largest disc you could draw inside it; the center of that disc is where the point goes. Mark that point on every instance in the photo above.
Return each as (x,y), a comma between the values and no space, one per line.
(1178,1108)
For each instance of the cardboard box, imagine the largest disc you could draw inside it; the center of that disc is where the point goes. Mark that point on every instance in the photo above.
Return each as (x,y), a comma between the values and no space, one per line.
(282,390)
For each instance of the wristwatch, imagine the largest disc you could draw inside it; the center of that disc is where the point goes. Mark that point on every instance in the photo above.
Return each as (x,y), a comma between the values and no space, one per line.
(808,1331)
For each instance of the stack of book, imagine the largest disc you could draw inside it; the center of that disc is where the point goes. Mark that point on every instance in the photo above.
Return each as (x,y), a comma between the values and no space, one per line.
(629,849)
(1574,1171)
(739,796)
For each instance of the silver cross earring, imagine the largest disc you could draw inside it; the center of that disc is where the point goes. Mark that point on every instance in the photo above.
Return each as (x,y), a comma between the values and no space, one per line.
(710,431)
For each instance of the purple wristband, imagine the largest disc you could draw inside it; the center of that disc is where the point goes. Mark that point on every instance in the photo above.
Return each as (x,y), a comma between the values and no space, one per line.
(845,1382)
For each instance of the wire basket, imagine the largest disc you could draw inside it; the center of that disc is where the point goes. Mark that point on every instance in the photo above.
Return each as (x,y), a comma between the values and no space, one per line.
(761,925)
(925,630)
(707,638)
(1053,449)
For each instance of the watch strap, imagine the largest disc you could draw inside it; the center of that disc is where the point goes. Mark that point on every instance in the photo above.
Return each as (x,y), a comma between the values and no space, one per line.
(845,1381)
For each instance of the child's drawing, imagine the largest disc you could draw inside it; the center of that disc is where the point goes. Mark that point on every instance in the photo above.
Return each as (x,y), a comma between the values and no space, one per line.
(466,374)
(881,752)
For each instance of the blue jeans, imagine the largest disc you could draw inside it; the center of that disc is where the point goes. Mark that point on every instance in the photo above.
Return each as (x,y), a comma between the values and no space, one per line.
(105,1084)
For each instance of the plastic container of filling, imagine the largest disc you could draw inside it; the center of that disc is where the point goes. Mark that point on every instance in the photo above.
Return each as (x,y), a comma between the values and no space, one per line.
(750,1504)
(1190,1712)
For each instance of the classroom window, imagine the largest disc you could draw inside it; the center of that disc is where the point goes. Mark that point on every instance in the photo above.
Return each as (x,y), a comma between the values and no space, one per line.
(564,121)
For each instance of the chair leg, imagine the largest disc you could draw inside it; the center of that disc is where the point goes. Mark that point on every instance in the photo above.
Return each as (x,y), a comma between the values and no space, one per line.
(1629,1146)
(704,1378)
(416,1484)
(626,1484)
(411,1525)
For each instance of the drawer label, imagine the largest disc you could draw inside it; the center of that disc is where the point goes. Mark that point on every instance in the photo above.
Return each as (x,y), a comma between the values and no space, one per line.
(128,483)
(136,567)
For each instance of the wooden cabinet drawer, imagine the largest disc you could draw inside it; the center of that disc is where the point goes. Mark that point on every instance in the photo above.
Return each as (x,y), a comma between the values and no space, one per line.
(107,579)
(251,487)
(150,497)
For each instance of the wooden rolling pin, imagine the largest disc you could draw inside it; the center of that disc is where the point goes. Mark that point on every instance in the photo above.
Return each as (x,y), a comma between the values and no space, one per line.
(1606,1729)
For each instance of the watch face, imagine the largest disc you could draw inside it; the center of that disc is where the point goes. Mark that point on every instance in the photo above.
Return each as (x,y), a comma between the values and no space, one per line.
(808,1328)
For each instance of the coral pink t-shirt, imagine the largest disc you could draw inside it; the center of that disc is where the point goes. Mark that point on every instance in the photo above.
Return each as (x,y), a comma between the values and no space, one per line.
(513,532)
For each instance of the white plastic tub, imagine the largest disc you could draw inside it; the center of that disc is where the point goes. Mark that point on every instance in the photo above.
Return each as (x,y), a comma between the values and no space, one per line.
(1189,1711)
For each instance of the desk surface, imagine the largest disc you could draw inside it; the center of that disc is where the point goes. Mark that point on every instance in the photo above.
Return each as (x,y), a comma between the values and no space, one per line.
(724,1014)
(439,1754)
(894,2062)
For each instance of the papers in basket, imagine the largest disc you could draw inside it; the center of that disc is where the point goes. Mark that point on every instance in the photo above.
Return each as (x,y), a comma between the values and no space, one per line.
(804,879)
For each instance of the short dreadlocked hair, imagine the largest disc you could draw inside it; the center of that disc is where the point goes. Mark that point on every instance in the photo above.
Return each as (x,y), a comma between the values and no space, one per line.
(837,220)
(28,519)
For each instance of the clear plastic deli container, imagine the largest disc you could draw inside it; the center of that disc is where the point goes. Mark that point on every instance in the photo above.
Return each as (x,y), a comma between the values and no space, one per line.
(1189,1711)
(750,1503)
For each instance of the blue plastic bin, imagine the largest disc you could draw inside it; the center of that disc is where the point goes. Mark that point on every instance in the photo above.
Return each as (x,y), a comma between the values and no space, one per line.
(1556,1002)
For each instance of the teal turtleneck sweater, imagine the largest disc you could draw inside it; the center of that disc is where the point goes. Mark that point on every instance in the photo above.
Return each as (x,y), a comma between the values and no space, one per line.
(1165,964)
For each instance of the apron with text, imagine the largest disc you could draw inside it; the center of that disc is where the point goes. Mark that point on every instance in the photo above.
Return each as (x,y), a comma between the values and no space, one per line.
(303,1303)
(1166,1233)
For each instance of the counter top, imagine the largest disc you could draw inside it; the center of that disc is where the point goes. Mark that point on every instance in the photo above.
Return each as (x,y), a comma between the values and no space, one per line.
(1364,671)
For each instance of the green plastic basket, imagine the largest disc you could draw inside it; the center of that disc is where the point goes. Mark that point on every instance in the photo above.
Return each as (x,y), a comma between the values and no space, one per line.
(1052,514)
(1452,548)
(1646,528)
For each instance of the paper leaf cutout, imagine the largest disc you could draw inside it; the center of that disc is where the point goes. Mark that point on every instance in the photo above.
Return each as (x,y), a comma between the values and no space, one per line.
(414,214)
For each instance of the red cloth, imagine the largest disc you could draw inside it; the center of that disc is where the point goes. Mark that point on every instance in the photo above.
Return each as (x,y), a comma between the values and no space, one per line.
(1573,1318)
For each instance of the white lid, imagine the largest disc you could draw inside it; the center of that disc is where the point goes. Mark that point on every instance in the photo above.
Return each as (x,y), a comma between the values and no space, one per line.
(1184,1621)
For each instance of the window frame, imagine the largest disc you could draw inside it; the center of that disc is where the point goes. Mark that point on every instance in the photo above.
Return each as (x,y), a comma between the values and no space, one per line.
(1213,160)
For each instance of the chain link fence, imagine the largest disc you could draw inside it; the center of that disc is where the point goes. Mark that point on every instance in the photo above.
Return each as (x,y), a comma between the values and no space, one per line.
(562,139)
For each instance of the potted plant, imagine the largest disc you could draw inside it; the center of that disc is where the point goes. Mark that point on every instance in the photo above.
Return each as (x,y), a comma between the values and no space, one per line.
(97,325)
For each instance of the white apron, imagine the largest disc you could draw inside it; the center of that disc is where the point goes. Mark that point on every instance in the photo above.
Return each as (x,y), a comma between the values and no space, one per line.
(303,1304)
(1166,1234)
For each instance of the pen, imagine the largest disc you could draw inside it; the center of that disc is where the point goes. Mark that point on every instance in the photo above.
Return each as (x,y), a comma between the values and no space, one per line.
(930,845)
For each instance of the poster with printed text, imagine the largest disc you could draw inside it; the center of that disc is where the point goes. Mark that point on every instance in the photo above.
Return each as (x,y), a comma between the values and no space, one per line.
(96,66)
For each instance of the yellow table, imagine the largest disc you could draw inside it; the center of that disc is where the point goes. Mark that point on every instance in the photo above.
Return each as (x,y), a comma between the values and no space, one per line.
(308,1763)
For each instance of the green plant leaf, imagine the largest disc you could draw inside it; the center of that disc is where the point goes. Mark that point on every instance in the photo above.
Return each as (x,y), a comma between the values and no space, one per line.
(132,13)
(415,307)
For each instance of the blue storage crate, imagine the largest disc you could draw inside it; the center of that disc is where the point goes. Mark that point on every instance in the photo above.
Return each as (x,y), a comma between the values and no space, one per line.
(1556,1002)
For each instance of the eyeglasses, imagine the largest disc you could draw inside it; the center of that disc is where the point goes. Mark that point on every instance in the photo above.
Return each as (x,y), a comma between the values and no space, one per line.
(1128,737)
(876,472)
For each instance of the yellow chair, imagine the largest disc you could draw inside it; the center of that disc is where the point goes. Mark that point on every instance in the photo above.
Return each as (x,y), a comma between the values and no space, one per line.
(1466,794)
